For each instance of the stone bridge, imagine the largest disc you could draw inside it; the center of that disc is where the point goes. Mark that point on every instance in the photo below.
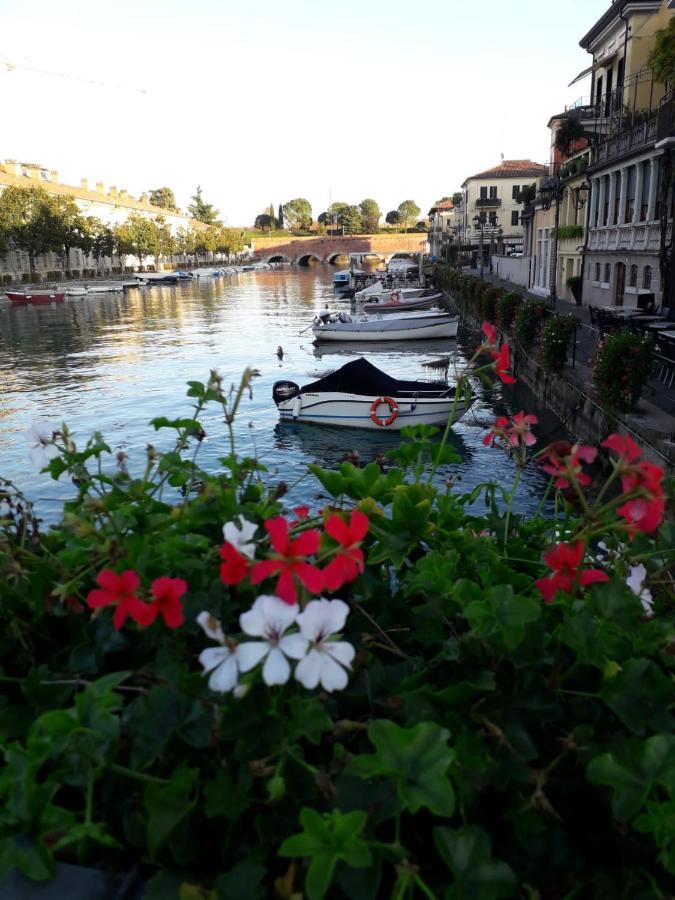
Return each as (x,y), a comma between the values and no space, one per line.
(301,250)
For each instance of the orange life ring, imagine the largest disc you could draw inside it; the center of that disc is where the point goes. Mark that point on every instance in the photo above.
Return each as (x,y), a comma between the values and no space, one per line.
(393,409)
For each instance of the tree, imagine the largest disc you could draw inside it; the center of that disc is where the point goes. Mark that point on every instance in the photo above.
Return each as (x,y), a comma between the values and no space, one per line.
(662,56)
(263,221)
(166,245)
(370,214)
(202,211)
(298,214)
(163,197)
(184,241)
(393,217)
(351,220)
(457,198)
(280,218)
(67,227)
(138,236)
(408,210)
(229,240)
(102,239)
(25,220)
(567,134)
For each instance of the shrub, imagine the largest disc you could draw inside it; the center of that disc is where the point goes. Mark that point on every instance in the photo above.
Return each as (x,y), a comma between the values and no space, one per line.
(7,279)
(487,303)
(555,339)
(570,231)
(623,364)
(529,319)
(74,273)
(35,278)
(507,308)
(500,731)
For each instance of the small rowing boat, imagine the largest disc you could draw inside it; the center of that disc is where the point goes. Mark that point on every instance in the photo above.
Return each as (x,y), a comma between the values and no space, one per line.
(359,395)
(35,297)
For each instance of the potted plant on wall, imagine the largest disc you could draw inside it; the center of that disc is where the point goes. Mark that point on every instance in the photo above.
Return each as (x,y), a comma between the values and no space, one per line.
(574,284)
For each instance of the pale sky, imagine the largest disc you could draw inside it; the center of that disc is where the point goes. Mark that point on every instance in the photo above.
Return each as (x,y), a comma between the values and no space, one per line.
(261,101)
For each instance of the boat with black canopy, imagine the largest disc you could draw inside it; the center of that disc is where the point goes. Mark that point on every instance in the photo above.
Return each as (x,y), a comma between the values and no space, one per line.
(359,395)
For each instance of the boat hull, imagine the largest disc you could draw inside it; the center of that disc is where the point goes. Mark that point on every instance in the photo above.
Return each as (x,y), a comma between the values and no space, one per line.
(354,411)
(391,306)
(36,298)
(388,330)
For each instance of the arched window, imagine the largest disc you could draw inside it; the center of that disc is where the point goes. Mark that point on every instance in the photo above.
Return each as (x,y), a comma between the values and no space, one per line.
(647,277)
(608,275)
(632,281)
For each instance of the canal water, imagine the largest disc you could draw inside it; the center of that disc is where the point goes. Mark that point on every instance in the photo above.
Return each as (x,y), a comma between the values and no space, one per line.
(113,362)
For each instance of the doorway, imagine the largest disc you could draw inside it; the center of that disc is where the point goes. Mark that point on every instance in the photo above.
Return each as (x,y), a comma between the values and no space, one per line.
(619,283)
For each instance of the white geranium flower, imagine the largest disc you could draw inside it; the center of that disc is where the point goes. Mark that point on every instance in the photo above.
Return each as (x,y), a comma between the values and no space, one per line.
(221,661)
(636,582)
(268,618)
(40,436)
(328,659)
(241,536)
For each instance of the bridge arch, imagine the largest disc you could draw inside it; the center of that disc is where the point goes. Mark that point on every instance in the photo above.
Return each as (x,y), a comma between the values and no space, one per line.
(277,257)
(307,258)
(332,258)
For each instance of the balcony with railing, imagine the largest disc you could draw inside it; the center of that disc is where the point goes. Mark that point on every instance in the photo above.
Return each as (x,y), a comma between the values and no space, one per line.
(632,139)
(640,237)
(484,202)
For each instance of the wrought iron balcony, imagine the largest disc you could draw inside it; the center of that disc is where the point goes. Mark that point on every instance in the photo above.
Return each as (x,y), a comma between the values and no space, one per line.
(621,144)
(666,119)
(488,201)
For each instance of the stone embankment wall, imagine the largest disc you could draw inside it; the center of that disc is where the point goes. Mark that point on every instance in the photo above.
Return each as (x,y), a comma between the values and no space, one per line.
(568,396)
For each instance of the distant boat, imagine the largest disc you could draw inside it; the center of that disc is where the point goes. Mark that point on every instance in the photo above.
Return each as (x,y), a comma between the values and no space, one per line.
(393,327)
(207,273)
(35,297)
(111,287)
(359,395)
(75,290)
(158,278)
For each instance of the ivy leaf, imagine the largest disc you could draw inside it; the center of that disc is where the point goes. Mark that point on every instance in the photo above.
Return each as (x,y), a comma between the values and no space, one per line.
(416,759)
(242,882)
(468,854)
(633,770)
(167,804)
(640,696)
(325,840)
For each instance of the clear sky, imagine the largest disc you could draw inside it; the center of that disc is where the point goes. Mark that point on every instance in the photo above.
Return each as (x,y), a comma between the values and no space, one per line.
(262,101)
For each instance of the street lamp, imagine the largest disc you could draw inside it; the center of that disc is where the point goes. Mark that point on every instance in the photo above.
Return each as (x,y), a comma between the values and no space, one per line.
(553,190)
(480,222)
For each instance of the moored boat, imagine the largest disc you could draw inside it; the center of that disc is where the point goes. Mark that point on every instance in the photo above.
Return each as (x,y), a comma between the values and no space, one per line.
(35,296)
(359,395)
(393,327)
(392,303)
(111,287)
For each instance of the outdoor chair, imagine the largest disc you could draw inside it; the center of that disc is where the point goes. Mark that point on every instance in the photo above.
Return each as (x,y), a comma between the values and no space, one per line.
(666,359)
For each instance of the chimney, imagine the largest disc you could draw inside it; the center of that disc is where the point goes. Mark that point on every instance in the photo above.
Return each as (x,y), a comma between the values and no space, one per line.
(54,176)
(99,187)
(84,184)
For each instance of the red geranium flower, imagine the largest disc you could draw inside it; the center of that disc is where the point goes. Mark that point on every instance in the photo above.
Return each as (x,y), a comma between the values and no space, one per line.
(565,561)
(348,561)
(520,430)
(300,513)
(498,430)
(118,590)
(490,333)
(643,513)
(167,593)
(624,447)
(235,565)
(564,459)
(290,561)
(502,363)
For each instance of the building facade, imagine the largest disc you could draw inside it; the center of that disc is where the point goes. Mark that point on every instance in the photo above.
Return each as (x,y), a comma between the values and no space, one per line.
(493,196)
(444,221)
(112,207)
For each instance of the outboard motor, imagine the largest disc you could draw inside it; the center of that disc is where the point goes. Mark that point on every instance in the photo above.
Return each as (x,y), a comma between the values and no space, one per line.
(284,390)
(322,316)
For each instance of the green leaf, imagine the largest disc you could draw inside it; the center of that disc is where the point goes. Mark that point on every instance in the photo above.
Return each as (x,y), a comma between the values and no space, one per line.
(640,695)
(416,759)
(633,770)
(468,854)
(243,882)
(326,839)
(167,804)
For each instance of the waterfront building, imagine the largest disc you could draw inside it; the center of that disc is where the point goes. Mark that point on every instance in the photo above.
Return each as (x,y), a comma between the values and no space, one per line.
(628,118)
(112,206)
(493,196)
(444,221)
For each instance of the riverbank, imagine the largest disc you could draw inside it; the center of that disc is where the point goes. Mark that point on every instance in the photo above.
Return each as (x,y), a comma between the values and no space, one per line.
(569,394)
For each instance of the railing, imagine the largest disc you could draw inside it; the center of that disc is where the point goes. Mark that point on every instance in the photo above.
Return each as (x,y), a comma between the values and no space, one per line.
(488,201)
(639,236)
(666,119)
(638,136)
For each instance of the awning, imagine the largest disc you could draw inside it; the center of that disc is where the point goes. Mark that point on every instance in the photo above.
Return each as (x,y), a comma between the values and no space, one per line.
(582,74)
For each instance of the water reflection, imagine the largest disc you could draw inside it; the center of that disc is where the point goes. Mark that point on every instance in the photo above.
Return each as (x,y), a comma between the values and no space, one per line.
(112,362)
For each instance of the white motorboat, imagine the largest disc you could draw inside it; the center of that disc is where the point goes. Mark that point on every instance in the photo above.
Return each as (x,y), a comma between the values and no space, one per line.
(110,287)
(359,395)
(207,273)
(394,302)
(377,290)
(74,290)
(392,327)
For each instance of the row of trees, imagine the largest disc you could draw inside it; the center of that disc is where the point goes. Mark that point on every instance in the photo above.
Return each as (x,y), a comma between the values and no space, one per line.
(36,222)
(296,215)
